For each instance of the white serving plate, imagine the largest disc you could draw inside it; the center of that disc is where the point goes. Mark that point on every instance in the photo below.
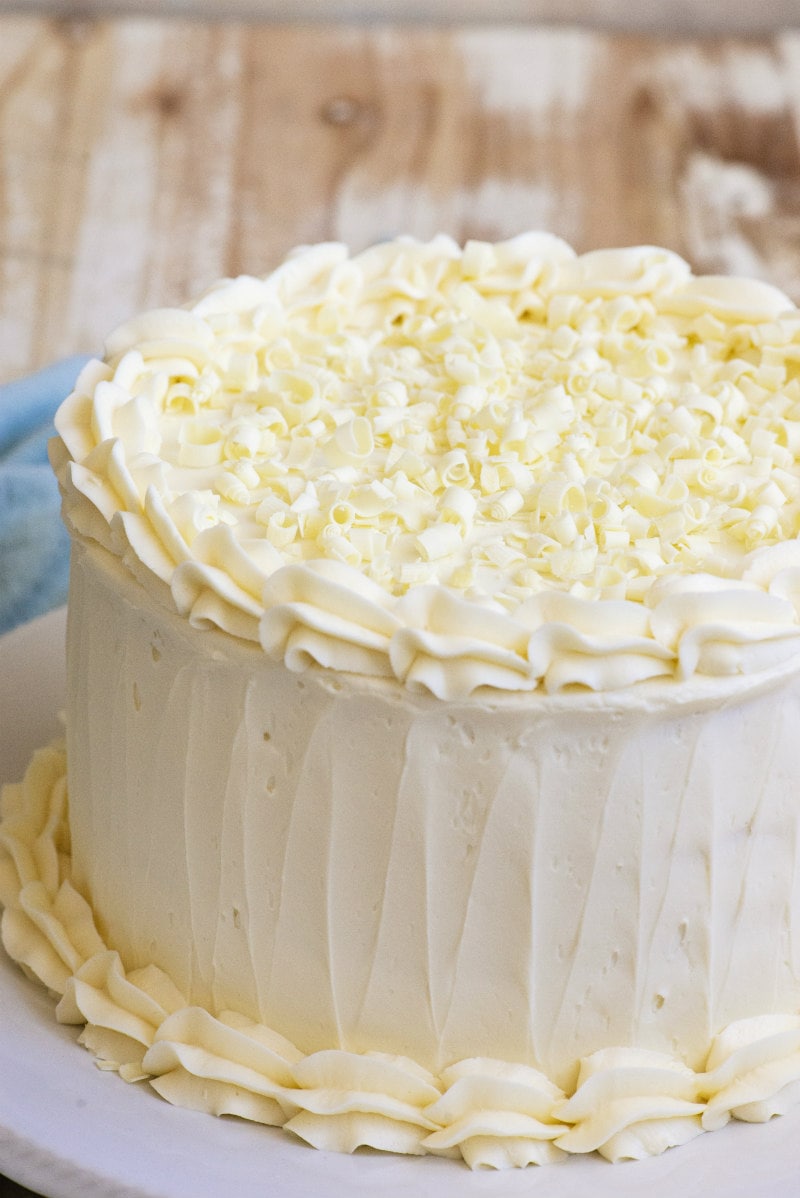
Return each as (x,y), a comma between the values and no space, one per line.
(69,1130)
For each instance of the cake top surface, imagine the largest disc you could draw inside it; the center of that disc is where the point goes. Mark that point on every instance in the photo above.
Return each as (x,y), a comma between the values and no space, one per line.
(504,466)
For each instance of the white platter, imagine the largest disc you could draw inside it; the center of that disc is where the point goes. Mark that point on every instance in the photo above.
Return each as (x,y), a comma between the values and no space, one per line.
(69,1130)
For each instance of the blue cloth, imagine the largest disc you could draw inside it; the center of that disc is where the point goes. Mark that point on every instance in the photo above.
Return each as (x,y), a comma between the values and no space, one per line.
(34,546)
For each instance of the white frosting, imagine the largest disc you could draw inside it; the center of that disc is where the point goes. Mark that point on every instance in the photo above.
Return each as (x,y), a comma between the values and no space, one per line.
(431,463)
(628,1103)
(550,914)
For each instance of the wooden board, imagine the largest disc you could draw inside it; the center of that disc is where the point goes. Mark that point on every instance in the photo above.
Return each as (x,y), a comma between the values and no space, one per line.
(142,159)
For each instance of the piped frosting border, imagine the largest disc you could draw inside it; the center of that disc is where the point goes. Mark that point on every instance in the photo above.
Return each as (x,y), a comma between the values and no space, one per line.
(627,1104)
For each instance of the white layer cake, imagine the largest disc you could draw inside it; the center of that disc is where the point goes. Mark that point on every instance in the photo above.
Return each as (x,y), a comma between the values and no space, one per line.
(434,706)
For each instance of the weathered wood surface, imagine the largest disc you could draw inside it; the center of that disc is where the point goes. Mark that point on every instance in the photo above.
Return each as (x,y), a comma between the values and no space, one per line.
(142,159)
(728,17)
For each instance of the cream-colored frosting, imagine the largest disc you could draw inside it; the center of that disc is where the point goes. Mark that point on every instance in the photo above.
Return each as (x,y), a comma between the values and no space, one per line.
(434,704)
(628,1102)
(430,463)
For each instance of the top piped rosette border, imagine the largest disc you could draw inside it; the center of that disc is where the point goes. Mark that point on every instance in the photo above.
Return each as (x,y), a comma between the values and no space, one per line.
(500,466)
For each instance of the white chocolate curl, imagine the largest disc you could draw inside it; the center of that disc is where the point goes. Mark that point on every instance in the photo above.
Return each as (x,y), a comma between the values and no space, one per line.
(504,423)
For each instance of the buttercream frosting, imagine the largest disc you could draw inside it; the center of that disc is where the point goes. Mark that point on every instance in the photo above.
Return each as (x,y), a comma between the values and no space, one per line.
(628,1103)
(505,466)
(434,705)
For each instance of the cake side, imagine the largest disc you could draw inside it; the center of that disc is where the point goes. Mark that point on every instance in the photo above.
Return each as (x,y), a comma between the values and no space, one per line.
(422,926)
(361,868)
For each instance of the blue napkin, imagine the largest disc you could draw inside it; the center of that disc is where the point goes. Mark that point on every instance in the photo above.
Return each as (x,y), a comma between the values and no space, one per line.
(34,546)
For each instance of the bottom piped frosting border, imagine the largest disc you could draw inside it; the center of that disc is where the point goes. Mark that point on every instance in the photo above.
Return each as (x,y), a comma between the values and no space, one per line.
(628,1104)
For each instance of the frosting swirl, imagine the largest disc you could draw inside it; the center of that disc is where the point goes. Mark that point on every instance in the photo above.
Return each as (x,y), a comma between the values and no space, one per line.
(500,466)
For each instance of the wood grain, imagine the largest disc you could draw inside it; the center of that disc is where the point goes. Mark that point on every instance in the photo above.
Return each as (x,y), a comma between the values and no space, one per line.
(142,159)
(689,17)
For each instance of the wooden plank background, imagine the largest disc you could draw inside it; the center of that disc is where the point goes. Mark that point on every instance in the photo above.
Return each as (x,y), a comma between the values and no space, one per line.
(140,159)
(728,17)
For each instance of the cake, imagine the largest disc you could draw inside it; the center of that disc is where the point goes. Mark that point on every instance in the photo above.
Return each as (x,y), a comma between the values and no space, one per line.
(433,720)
